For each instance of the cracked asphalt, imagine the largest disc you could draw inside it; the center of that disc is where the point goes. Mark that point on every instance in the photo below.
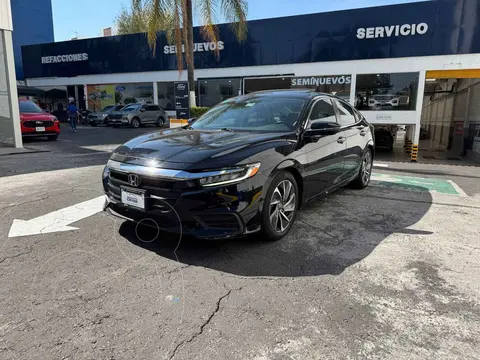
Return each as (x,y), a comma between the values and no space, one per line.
(382,273)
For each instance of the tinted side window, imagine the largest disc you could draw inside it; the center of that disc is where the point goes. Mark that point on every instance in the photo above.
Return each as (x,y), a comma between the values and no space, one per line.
(347,116)
(153,108)
(323,111)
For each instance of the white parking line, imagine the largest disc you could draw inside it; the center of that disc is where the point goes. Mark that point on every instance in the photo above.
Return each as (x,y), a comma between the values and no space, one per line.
(380,165)
(457,188)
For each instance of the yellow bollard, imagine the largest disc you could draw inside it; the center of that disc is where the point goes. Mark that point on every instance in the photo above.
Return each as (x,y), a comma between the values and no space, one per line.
(414,152)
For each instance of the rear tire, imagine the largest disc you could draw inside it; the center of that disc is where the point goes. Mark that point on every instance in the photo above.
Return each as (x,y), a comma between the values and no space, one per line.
(363,178)
(52,137)
(280,206)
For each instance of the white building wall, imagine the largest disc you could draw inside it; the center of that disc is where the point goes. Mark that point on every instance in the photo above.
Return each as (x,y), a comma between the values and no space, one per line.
(5,15)
(9,116)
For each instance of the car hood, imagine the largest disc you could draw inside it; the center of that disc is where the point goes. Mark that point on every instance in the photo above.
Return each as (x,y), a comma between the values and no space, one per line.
(198,147)
(99,113)
(36,116)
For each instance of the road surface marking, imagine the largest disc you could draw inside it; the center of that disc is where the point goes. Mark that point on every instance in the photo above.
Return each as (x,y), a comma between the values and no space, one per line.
(418,184)
(379,165)
(57,221)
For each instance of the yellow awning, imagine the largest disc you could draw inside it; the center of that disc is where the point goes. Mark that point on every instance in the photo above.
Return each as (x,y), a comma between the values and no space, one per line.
(453,74)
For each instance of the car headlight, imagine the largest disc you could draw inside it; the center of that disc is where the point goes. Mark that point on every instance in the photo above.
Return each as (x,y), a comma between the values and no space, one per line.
(106,172)
(125,118)
(229,176)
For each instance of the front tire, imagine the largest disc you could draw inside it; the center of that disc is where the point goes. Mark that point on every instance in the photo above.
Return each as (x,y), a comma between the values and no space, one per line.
(160,122)
(280,206)
(365,173)
(135,123)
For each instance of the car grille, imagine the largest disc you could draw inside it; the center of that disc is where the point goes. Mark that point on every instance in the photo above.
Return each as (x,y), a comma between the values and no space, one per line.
(35,123)
(384,97)
(219,221)
(164,188)
(116,116)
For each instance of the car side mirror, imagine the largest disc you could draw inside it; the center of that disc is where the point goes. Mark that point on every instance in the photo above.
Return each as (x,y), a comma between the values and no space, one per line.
(191,120)
(323,128)
(142,110)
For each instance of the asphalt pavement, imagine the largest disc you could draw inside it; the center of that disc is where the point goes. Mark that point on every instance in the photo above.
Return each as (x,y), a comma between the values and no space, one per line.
(389,272)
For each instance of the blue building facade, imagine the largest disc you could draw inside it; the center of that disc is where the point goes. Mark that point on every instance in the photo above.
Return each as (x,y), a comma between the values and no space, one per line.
(430,28)
(32,24)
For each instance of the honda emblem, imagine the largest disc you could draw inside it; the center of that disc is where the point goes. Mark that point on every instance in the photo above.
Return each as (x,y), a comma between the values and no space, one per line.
(133,179)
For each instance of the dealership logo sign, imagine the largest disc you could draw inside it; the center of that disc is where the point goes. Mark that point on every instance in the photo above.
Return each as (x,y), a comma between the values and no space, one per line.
(321,80)
(197,47)
(64,58)
(392,30)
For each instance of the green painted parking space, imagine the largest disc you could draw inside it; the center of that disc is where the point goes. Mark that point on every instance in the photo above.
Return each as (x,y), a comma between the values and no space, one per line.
(417,184)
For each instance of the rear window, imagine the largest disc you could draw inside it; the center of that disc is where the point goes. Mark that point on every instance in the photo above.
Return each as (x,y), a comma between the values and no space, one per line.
(29,107)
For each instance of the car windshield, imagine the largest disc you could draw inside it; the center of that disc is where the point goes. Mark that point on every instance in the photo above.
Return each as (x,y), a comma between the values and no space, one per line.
(106,108)
(131,108)
(263,113)
(29,107)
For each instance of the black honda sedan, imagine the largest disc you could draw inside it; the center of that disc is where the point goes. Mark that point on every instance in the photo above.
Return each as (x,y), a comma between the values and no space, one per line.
(246,165)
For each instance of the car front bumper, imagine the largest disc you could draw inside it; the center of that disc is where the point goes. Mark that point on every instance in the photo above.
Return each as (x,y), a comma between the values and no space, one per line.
(209,213)
(31,132)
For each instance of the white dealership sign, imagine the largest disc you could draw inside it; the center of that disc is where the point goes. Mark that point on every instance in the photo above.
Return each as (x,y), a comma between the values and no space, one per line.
(64,58)
(197,47)
(321,80)
(392,30)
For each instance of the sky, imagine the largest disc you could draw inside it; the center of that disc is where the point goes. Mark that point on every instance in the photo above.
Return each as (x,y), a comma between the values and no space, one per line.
(87,18)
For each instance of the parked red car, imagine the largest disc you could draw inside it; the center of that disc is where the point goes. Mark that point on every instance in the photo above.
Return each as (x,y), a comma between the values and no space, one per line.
(36,122)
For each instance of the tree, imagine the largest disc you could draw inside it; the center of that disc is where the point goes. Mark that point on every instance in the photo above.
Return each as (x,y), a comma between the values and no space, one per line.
(131,21)
(179,26)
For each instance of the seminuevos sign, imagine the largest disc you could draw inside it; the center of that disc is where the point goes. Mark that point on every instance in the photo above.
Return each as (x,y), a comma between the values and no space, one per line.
(197,47)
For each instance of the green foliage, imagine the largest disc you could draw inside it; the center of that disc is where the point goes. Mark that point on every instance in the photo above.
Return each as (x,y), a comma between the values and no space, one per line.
(196,112)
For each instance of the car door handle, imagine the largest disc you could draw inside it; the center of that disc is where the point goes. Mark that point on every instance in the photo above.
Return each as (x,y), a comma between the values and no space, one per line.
(341,140)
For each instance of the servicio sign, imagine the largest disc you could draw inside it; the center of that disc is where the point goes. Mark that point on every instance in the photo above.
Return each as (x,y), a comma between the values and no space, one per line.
(392,30)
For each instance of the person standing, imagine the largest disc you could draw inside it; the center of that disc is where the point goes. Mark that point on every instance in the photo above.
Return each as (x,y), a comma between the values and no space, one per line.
(72,115)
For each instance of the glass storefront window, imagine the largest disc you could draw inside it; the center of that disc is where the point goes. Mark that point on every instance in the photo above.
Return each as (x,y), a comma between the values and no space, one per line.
(397,91)
(267,83)
(99,96)
(166,95)
(338,85)
(214,91)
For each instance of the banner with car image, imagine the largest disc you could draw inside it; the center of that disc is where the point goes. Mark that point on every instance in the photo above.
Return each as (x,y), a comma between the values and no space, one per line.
(100,96)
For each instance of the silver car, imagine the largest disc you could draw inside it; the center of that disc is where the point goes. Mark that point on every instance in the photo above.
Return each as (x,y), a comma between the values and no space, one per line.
(101,117)
(136,115)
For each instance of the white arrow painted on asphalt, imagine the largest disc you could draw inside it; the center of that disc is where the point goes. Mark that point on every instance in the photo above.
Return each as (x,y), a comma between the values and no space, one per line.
(57,221)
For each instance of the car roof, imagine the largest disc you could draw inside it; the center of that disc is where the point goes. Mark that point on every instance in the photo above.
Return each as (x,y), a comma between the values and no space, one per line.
(307,94)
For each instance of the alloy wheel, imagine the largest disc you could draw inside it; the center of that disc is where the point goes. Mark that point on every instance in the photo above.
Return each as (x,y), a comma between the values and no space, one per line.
(282,206)
(367,167)
(135,123)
